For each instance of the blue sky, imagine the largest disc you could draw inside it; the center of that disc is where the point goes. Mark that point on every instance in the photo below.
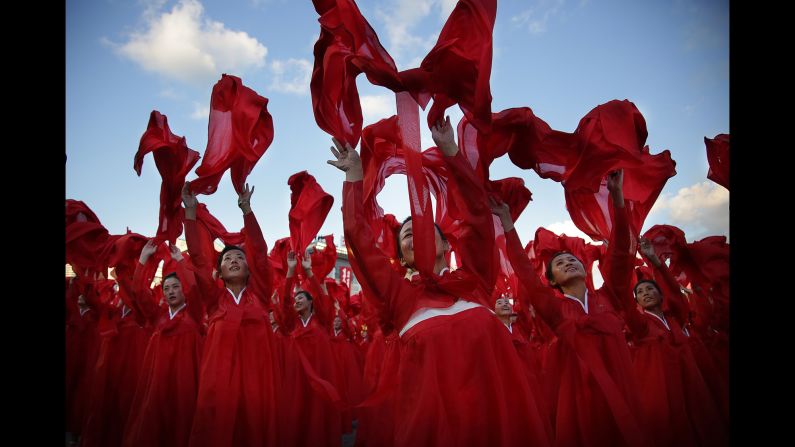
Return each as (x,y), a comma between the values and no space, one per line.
(560,58)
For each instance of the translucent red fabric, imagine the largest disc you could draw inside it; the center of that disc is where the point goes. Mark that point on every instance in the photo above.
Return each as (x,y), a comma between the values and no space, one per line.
(174,159)
(309,206)
(718,157)
(239,132)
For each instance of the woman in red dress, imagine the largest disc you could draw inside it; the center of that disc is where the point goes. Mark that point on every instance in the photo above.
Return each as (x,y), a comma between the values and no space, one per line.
(676,404)
(82,343)
(165,399)
(237,401)
(311,379)
(458,380)
(590,367)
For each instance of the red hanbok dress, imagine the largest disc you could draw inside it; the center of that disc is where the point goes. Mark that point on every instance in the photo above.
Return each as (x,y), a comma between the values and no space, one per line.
(165,399)
(349,370)
(589,366)
(123,339)
(677,406)
(237,402)
(82,346)
(313,402)
(457,379)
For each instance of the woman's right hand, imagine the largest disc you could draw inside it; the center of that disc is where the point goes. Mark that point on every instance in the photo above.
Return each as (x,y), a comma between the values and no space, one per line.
(347,160)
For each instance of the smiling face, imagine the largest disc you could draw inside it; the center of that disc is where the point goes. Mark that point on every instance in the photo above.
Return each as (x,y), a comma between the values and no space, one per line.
(647,295)
(234,265)
(502,307)
(406,242)
(302,302)
(172,292)
(565,267)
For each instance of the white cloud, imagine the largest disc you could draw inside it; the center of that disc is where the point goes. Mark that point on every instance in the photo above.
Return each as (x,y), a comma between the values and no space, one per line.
(377,107)
(291,76)
(184,45)
(400,17)
(171,94)
(568,228)
(200,111)
(699,210)
(537,17)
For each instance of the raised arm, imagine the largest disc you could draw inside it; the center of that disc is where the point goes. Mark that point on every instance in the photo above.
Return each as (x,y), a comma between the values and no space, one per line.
(670,290)
(141,295)
(619,266)
(256,249)
(187,279)
(371,267)
(322,306)
(476,246)
(196,249)
(541,297)
(288,314)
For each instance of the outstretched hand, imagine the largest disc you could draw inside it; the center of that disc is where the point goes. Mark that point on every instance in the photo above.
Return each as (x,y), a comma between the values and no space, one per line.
(615,184)
(244,199)
(306,263)
(176,253)
(647,250)
(149,249)
(188,197)
(347,161)
(444,137)
(501,210)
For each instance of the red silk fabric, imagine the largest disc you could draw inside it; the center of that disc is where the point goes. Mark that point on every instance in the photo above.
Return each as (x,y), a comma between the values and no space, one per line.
(239,132)
(309,206)
(174,159)
(718,158)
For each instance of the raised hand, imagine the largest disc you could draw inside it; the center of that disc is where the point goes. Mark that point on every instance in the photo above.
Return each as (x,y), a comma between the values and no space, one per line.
(306,262)
(244,199)
(615,184)
(443,136)
(291,263)
(176,253)
(501,210)
(149,249)
(647,250)
(347,161)
(188,197)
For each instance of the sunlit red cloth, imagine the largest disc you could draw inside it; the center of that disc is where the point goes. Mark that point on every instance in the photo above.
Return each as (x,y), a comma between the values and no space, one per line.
(458,68)
(347,46)
(240,131)
(642,185)
(718,157)
(85,237)
(309,206)
(174,159)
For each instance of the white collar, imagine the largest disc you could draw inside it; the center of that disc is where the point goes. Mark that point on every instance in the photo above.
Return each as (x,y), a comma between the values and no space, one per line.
(83,311)
(415,272)
(171,315)
(236,298)
(585,305)
(687,333)
(125,311)
(307,320)
(337,332)
(658,317)
(509,326)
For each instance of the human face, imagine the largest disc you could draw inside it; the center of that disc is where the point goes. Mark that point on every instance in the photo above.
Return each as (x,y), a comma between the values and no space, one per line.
(302,303)
(337,323)
(566,267)
(172,291)
(406,237)
(502,307)
(647,295)
(234,265)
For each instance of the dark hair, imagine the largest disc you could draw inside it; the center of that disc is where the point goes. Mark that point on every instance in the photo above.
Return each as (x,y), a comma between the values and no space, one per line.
(305,293)
(650,281)
(170,275)
(226,249)
(397,236)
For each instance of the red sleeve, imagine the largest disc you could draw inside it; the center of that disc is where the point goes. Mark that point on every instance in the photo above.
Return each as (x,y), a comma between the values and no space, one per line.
(288,316)
(195,301)
(384,286)
(672,293)
(256,247)
(619,268)
(198,257)
(322,306)
(476,241)
(127,294)
(542,298)
(142,301)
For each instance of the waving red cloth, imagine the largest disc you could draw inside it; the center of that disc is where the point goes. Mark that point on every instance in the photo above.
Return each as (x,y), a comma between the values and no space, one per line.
(347,46)
(85,237)
(78,211)
(240,131)
(216,229)
(174,159)
(458,69)
(718,158)
(323,261)
(278,257)
(590,211)
(309,206)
